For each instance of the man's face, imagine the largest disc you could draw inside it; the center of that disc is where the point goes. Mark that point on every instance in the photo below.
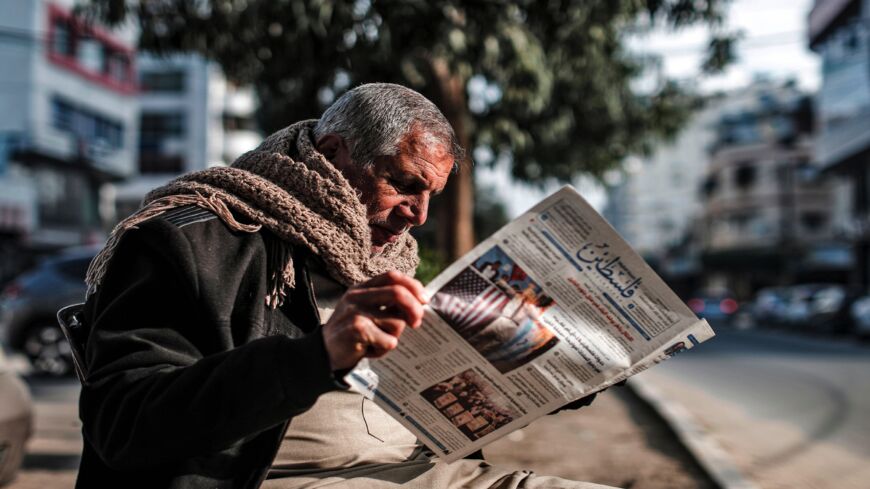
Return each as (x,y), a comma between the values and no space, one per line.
(395,189)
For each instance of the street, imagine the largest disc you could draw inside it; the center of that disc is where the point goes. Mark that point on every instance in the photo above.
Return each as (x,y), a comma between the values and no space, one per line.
(791,411)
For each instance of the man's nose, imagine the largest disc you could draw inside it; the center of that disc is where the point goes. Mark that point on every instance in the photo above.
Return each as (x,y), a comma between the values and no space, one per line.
(416,211)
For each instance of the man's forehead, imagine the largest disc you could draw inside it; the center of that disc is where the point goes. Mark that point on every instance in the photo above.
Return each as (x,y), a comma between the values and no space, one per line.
(427,154)
(424,145)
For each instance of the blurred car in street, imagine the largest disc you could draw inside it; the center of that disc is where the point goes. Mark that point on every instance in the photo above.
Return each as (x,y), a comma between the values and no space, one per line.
(29,305)
(795,315)
(820,308)
(770,306)
(16,421)
(830,309)
(718,307)
(860,313)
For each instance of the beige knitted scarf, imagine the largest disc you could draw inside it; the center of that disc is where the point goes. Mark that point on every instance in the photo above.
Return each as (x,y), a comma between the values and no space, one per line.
(291,189)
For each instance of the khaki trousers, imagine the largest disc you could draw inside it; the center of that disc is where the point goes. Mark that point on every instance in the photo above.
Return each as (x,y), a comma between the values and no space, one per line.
(346,442)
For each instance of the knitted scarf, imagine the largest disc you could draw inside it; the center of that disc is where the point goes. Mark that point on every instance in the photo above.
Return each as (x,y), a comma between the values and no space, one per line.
(291,189)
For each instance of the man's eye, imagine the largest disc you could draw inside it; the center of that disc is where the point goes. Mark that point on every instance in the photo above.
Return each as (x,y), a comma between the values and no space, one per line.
(400,186)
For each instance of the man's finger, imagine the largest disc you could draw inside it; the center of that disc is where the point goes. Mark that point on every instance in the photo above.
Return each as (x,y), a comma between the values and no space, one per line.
(388,301)
(378,342)
(391,326)
(394,277)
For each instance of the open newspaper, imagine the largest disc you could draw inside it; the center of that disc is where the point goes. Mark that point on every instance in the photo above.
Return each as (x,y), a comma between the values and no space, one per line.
(551,308)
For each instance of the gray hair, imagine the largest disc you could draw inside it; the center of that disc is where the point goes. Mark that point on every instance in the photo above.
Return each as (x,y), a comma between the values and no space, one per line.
(374,118)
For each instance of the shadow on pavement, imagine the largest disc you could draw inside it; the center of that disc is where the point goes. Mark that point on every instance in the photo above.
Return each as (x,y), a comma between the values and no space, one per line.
(51,461)
(660,437)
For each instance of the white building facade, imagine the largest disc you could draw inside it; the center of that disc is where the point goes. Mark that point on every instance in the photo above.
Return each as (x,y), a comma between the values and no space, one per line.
(191,118)
(659,197)
(68,122)
(839,31)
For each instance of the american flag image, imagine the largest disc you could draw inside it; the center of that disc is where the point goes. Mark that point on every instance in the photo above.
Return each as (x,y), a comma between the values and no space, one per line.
(469,302)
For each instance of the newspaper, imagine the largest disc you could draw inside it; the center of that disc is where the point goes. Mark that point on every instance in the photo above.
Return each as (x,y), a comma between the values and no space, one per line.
(551,308)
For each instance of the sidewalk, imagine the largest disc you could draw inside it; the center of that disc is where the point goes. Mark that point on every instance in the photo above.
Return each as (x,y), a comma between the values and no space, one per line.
(53,452)
(617,441)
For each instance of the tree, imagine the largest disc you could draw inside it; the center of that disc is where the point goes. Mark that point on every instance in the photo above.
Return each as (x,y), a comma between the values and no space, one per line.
(546,83)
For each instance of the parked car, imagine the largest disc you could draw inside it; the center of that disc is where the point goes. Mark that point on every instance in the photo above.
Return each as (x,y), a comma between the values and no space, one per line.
(796,314)
(16,421)
(718,307)
(860,313)
(820,308)
(29,304)
(830,309)
(769,308)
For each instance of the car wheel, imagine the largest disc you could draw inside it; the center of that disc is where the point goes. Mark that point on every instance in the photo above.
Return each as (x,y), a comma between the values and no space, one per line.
(48,350)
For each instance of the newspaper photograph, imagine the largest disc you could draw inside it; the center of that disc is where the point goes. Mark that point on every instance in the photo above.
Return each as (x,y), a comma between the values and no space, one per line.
(551,308)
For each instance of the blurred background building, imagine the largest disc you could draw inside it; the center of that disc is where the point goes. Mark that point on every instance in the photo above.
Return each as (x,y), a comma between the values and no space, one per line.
(767,212)
(656,205)
(191,118)
(838,32)
(68,126)
(88,127)
(733,202)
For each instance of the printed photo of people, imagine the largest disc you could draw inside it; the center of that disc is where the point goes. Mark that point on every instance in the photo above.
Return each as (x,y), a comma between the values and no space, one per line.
(470,403)
(496,307)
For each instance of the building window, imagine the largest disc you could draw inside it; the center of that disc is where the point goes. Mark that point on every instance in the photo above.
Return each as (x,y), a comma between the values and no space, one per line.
(61,115)
(92,53)
(162,125)
(118,66)
(86,125)
(737,129)
(154,162)
(741,221)
(806,172)
(759,228)
(89,53)
(162,81)
(813,221)
(62,40)
(156,128)
(708,188)
(744,176)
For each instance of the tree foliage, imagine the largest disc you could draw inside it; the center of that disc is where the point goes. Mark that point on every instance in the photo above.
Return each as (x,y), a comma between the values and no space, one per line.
(547,84)
(554,77)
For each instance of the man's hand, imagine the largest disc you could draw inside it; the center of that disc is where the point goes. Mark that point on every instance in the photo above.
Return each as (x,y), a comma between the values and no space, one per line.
(371,316)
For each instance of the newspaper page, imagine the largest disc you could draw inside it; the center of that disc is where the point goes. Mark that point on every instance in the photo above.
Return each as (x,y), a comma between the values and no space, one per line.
(553,307)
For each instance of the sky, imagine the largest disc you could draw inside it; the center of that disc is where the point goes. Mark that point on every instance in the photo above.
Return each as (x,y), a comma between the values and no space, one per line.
(774,44)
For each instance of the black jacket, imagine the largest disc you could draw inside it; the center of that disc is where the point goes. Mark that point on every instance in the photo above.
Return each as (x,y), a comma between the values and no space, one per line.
(191,378)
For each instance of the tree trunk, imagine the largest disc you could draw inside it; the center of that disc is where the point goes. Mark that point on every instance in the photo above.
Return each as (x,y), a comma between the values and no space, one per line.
(455,220)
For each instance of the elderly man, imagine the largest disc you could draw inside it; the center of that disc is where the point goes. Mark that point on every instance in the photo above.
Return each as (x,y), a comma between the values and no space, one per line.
(225,312)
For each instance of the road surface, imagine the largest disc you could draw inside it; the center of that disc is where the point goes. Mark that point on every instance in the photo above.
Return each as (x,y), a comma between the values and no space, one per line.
(792,411)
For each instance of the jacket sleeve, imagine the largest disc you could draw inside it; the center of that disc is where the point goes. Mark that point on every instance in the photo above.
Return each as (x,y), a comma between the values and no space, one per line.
(160,387)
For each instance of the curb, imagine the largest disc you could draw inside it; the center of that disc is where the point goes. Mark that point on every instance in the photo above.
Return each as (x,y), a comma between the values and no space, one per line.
(706,451)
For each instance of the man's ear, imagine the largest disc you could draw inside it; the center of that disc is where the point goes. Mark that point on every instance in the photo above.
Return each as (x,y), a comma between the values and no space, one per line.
(334,148)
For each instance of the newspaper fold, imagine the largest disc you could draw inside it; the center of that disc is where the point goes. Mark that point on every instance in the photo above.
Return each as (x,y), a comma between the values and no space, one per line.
(552,307)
